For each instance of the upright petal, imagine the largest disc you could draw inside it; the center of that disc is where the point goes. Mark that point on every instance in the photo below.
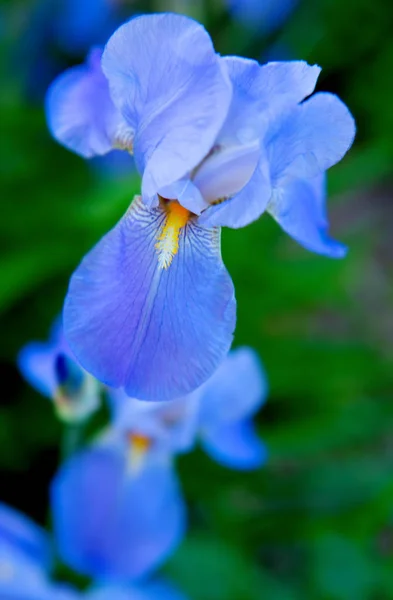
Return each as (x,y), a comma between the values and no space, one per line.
(299,208)
(261,91)
(111,524)
(80,112)
(244,207)
(309,139)
(172,88)
(236,390)
(235,445)
(159,332)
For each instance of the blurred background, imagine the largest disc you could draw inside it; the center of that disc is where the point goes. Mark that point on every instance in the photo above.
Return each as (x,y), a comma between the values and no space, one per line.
(317,521)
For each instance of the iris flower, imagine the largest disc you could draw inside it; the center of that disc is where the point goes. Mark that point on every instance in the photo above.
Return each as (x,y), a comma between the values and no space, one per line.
(53,371)
(218,414)
(218,141)
(26,553)
(113,519)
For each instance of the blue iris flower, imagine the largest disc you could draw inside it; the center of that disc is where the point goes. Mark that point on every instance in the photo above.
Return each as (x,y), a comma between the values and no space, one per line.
(115,517)
(26,553)
(218,141)
(218,414)
(53,371)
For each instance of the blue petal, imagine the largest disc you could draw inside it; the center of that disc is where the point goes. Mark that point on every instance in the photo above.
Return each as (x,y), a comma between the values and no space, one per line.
(172,88)
(20,533)
(187,194)
(113,524)
(159,332)
(246,206)
(237,389)
(261,91)
(299,207)
(236,445)
(310,139)
(80,112)
(36,363)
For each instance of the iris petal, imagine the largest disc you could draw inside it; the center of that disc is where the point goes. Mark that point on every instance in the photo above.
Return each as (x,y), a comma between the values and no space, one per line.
(176,104)
(80,112)
(236,390)
(235,445)
(110,524)
(310,139)
(260,91)
(246,206)
(158,332)
(151,590)
(299,207)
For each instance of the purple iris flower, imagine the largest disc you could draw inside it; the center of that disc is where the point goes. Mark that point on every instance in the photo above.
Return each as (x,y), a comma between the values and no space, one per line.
(25,561)
(219,414)
(52,370)
(114,518)
(218,141)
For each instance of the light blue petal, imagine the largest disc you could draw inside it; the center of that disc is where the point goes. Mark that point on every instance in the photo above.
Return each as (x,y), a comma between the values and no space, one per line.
(236,446)
(80,112)
(299,208)
(172,88)
(187,194)
(110,523)
(262,91)
(310,139)
(236,390)
(152,590)
(246,206)
(158,332)
(22,534)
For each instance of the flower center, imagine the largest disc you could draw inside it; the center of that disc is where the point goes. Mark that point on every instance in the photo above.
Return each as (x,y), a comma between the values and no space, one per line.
(167,244)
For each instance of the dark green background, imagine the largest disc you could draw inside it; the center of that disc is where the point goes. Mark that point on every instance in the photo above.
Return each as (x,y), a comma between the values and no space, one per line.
(316,522)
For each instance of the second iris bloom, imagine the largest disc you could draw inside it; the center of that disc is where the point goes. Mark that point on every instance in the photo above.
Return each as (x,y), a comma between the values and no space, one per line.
(218,141)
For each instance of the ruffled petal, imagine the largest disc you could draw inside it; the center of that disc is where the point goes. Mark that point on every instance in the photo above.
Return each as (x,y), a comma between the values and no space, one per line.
(114,524)
(260,92)
(246,206)
(310,139)
(236,445)
(159,332)
(80,112)
(172,88)
(236,390)
(299,208)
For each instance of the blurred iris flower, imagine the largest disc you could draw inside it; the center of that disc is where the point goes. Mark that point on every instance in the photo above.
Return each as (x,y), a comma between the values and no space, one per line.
(113,519)
(117,507)
(53,371)
(26,555)
(219,414)
(218,141)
